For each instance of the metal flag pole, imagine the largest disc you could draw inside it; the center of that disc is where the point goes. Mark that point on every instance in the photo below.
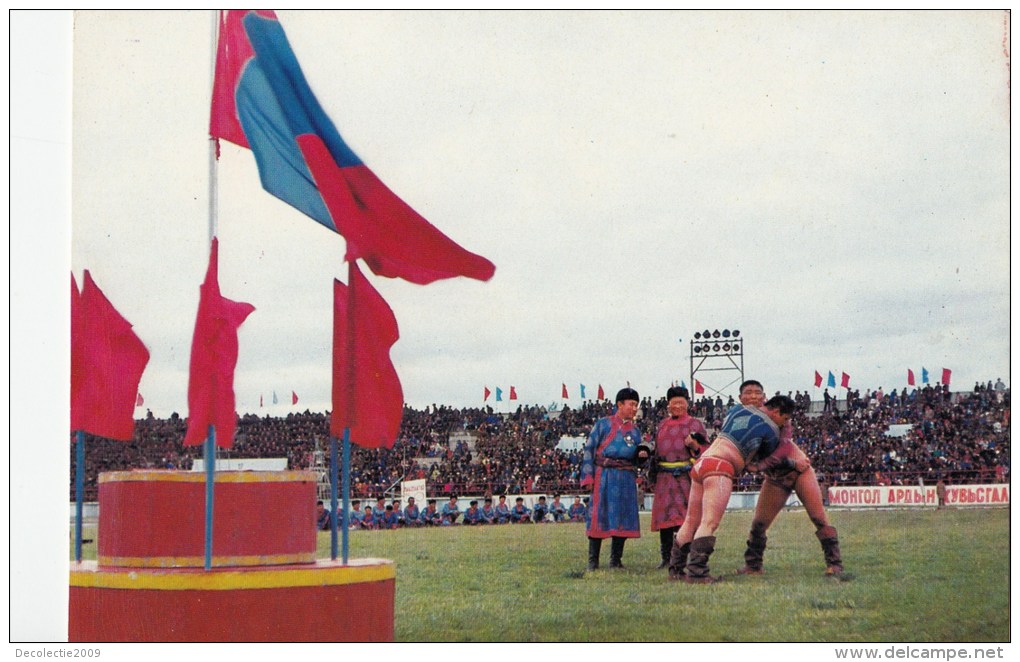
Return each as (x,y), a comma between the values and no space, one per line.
(334,516)
(210,441)
(79,489)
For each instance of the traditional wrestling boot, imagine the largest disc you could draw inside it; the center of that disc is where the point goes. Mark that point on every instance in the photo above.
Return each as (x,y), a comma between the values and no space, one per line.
(697,561)
(754,555)
(830,548)
(678,560)
(666,538)
(594,547)
(616,553)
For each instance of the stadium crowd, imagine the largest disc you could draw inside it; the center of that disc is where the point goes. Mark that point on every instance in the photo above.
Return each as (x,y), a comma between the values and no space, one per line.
(960,437)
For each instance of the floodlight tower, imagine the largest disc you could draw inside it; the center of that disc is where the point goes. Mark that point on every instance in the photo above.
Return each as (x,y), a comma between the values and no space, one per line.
(717,351)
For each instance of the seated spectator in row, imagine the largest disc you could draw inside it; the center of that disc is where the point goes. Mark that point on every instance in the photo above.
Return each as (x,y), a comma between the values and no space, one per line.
(379,511)
(430,516)
(398,512)
(557,509)
(450,512)
(502,511)
(389,520)
(473,516)
(357,517)
(488,512)
(321,516)
(370,521)
(540,511)
(577,512)
(520,514)
(412,513)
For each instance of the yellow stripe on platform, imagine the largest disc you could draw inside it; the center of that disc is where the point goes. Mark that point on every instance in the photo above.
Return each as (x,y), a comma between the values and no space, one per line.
(199,561)
(88,574)
(199,476)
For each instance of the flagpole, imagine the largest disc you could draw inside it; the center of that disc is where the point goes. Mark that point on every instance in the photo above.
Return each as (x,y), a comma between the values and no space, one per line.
(79,489)
(210,477)
(334,519)
(346,490)
(210,442)
(350,405)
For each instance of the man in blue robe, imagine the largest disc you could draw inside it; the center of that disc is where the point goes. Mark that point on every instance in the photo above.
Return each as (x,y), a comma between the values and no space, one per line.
(540,510)
(557,509)
(412,513)
(472,516)
(520,514)
(609,467)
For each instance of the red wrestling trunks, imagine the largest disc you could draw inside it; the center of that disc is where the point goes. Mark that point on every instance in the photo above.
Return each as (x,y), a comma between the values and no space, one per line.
(712,466)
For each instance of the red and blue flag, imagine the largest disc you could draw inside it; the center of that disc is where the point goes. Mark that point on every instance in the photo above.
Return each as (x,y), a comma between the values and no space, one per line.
(262,101)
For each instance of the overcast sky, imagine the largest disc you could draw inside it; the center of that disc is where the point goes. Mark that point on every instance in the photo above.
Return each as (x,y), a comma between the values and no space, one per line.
(833,185)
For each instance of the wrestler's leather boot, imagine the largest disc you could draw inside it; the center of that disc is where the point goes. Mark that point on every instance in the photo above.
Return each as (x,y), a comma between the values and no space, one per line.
(666,538)
(678,560)
(616,552)
(754,555)
(594,547)
(697,561)
(830,548)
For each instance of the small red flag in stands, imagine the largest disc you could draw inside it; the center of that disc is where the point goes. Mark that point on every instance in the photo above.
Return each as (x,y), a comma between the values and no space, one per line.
(513,393)
(565,396)
(107,361)
(486,394)
(910,377)
(293,398)
(947,374)
(602,393)
(698,388)
(818,379)
(367,396)
(214,348)
(139,401)
(846,381)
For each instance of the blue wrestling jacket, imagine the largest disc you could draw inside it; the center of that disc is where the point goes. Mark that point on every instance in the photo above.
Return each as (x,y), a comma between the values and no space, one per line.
(750,429)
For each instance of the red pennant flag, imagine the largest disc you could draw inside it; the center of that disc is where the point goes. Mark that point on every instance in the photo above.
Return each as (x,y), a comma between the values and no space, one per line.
(293,398)
(513,393)
(214,348)
(487,394)
(107,361)
(846,381)
(565,396)
(367,396)
(698,388)
(139,401)
(602,393)
(818,379)
(946,376)
(910,377)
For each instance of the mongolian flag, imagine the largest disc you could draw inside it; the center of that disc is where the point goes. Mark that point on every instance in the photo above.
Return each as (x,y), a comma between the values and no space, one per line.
(947,374)
(214,348)
(367,396)
(513,393)
(602,393)
(818,379)
(910,377)
(845,382)
(107,361)
(262,101)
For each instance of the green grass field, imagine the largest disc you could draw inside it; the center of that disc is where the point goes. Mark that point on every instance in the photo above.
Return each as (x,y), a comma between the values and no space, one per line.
(919,576)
